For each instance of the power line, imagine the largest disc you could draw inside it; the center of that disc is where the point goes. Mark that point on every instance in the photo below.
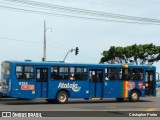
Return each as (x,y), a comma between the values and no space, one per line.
(73,16)
(18,40)
(50,42)
(83,11)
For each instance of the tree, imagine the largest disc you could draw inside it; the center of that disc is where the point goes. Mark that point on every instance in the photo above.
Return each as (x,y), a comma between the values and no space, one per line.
(136,54)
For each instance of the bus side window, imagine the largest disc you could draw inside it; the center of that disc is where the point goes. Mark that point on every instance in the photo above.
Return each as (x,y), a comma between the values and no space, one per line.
(24,72)
(23,76)
(54,73)
(120,74)
(112,73)
(137,74)
(77,76)
(81,73)
(93,76)
(72,73)
(151,77)
(106,74)
(18,75)
(64,73)
(126,74)
(28,72)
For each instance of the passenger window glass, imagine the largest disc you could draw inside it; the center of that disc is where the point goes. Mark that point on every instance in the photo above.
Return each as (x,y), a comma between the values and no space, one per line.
(19,68)
(151,77)
(112,73)
(106,74)
(137,74)
(24,72)
(126,74)
(28,69)
(63,73)
(38,74)
(81,73)
(54,73)
(72,73)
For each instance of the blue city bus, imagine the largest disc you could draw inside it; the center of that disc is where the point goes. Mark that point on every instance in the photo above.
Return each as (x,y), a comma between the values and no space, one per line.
(58,81)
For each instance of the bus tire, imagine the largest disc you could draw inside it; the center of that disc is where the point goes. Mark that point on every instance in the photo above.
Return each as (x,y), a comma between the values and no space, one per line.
(62,97)
(134,96)
(120,99)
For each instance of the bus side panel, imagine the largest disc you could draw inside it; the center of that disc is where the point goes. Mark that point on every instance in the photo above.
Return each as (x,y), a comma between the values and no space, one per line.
(38,89)
(44,90)
(21,88)
(92,89)
(80,89)
(140,86)
(52,89)
(112,89)
(98,89)
(76,89)
(122,88)
(18,89)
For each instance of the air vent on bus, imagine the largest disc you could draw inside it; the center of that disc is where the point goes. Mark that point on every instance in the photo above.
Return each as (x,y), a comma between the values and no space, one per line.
(28,60)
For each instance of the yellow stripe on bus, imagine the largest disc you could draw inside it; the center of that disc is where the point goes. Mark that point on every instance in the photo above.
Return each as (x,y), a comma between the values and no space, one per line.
(125,92)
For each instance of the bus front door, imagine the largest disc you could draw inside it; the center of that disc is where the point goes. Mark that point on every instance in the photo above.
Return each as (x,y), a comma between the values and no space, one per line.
(149,82)
(96,77)
(41,82)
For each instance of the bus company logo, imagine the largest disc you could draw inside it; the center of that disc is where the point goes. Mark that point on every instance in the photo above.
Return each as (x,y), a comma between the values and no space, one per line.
(73,86)
(131,85)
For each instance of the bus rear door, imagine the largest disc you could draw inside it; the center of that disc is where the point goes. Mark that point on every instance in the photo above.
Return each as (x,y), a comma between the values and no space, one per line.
(41,82)
(149,82)
(96,84)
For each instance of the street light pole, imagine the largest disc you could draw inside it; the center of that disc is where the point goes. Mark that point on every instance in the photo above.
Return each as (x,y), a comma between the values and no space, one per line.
(44,48)
(67,54)
(76,52)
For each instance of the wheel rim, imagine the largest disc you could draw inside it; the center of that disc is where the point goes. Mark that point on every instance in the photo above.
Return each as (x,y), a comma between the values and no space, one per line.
(135,96)
(62,98)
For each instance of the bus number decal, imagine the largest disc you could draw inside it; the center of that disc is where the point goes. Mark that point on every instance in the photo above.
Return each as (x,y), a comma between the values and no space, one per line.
(27,87)
(23,83)
(73,86)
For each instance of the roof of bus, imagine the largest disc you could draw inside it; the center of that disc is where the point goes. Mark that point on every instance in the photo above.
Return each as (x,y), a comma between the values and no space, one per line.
(76,64)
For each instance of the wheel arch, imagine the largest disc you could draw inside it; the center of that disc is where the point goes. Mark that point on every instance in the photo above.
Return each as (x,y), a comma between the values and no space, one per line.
(63,90)
(135,90)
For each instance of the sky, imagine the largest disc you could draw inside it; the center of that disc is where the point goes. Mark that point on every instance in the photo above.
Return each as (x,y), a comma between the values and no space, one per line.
(92,37)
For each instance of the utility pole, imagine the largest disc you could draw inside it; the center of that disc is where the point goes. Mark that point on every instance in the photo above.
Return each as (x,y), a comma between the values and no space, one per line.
(44,48)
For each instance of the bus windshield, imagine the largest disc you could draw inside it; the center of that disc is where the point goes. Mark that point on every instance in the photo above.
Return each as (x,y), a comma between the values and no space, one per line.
(5,71)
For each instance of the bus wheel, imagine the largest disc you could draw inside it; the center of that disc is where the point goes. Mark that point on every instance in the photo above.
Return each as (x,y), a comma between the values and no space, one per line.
(62,97)
(134,96)
(120,99)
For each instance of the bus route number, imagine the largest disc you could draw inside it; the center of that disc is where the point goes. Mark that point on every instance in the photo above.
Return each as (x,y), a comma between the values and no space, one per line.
(23,83)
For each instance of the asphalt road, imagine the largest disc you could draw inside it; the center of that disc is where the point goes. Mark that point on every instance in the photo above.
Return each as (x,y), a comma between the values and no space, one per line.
(146,104)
